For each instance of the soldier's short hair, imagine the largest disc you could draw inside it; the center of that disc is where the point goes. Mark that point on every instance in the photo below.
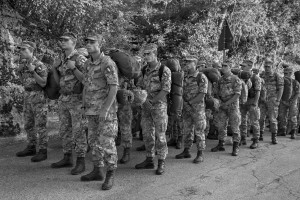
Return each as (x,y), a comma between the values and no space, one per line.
(151,47)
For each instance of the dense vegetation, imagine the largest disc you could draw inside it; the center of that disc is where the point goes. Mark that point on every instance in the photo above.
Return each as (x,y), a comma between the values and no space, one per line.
(260,28)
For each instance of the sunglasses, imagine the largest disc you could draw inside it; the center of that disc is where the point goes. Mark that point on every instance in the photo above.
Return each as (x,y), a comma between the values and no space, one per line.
(22,49)
(224,65)
(87,41)
(268,66)
(64,40)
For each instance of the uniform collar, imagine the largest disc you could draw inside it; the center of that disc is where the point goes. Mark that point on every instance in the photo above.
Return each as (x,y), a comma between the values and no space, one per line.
(70,55)
(98,61)
(195,74)
(149,69)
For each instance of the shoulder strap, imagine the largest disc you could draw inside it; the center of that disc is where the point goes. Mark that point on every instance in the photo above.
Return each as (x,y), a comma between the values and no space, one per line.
(161,71)
(199,77)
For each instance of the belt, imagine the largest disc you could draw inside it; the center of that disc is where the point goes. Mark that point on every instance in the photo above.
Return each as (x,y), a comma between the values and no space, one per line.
(33,89)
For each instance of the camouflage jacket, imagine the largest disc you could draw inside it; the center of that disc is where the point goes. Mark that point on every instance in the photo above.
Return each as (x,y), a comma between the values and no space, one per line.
(228,86)
(98,76)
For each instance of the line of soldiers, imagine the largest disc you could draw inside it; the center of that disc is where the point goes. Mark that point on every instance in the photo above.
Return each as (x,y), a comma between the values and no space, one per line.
(88,89)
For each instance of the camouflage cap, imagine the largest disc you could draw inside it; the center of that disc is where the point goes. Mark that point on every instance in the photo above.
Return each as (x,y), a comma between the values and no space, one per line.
(94,36)
(190,58)
(247,63)
(69,35)
(216,65)
(288,69)
(150,48)
(27,44)
(227,63)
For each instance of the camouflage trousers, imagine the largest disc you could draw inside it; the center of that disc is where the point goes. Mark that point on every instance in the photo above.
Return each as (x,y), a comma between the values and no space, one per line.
(209,117)
(287,117)
(231,116)
(136,119)
(194,124)
(71,127)
(125,120)
(102,140)
(154,125)
(270,110)
(175,126)
(35,117)
(250,117)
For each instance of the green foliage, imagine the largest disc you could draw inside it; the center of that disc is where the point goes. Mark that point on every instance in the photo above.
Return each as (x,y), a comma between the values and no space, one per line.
(260,27)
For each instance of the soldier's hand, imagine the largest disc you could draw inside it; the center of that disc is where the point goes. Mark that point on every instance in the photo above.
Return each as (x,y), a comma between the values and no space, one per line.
(223,106)
(71,64)
(31,67)
(187,107)
(147,105)
(277,103)
(102,115)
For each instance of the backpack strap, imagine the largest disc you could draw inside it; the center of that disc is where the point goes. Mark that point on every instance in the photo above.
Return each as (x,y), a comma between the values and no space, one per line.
(161,71)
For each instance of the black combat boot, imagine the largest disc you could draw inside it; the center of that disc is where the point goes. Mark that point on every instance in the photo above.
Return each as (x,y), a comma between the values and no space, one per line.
(141,148)
(40,156)
(199,158)
(160,167)
(293,134)
(118,139)
(126,156)
(30,150)
(219,147)
(243,141)
(261,137)
(254,144)
(212,134)
(185,154)
(274,138)
(96,175)
(67,161)
(281,132)
(109,180)
(235,149)
(147,164)
(172,142)
(179,142)
(80,166)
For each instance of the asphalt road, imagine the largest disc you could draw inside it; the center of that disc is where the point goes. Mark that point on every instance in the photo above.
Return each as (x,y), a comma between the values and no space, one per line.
(270,172)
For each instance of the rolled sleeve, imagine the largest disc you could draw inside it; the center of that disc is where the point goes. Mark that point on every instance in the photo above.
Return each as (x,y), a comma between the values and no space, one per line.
(41,69)
(166,80)
(257,83)
(203,84)
(111,73)
(237,86)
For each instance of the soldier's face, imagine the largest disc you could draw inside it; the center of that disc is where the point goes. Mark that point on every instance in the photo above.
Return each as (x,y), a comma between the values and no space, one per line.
(66,43)
(246,68)
(25,53)
(92,46)
(225,69)
(288,74)
(189,66)
(149,56)
(268,68)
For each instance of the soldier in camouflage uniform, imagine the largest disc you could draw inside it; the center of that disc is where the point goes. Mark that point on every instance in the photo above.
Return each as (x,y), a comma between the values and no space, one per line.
(33,74)
(228,91)
(68,72)
(288,110)
(250,109)
(194,121)
(101,85)
(269,103)
(125,119)
(154,110)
